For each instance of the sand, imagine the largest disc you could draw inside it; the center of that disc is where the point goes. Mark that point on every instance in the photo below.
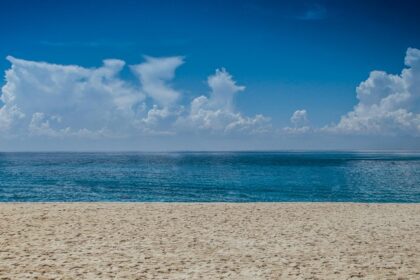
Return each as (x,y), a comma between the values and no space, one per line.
(209,241)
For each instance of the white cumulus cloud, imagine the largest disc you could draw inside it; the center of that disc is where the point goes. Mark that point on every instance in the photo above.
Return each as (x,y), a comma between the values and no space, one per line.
(216,112)
(41,99)
(155,74)
(387,103)
(40,96)
(299,121)
(299,118)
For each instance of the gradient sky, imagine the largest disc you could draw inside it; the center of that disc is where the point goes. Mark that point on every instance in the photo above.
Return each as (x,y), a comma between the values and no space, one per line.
(299,62)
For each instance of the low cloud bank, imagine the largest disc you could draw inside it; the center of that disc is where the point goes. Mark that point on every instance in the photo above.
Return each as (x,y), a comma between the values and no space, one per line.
(44,99)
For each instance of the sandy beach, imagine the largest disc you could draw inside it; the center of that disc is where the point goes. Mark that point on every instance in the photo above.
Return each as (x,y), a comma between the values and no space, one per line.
(209,241)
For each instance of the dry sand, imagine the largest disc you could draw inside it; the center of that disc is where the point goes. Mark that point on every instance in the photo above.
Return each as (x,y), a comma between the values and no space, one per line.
(209,241)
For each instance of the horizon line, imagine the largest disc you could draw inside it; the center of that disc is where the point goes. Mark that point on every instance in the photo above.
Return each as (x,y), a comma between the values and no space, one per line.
(222,151)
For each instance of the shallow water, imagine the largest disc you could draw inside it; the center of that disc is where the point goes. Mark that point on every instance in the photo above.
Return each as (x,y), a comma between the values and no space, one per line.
(205,177)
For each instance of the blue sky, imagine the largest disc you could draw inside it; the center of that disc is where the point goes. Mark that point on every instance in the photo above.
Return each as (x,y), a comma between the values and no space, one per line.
(291,56)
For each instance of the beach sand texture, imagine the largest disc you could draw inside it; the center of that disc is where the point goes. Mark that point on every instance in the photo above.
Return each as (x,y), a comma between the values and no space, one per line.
(209,241)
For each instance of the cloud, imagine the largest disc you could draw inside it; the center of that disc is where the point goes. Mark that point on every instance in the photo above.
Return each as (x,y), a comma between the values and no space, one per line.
(387,104)
(41,99)
(154,76)
(299,120)
(217,111)
(51,99)
(223,89)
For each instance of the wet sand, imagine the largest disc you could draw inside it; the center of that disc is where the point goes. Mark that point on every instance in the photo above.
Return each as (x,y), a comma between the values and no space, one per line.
(209,241)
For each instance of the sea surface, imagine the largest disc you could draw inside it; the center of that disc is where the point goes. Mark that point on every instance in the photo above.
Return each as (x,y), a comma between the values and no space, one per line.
(210,177)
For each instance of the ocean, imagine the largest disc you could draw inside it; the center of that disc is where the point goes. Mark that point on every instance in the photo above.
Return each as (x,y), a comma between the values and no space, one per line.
(210,177)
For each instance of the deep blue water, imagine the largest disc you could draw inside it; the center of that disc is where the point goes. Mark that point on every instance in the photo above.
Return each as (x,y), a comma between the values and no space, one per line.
(204,177)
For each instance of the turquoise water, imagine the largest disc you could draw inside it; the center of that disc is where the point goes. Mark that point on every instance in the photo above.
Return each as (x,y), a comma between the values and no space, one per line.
(206,177)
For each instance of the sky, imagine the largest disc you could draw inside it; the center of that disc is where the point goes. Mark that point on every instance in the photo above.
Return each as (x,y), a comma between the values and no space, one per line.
(209,75)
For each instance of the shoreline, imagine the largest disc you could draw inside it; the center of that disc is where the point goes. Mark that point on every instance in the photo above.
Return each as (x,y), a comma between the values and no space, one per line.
(172,240)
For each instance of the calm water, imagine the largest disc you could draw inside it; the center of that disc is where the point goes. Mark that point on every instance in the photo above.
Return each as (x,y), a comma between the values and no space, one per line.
(234,177)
